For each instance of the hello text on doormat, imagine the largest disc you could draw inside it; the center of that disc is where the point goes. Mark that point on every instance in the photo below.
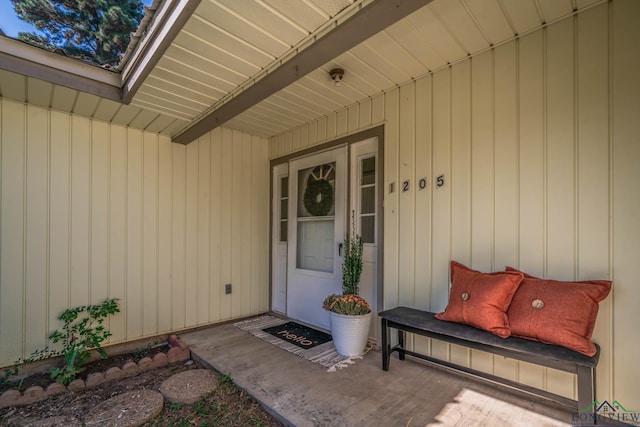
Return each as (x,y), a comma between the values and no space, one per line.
(300,335)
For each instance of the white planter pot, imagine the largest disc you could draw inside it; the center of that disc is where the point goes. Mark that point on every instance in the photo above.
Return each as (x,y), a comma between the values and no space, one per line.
(350,333)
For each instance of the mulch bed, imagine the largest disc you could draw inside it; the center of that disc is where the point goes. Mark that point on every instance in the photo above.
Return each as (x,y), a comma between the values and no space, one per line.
(226,405)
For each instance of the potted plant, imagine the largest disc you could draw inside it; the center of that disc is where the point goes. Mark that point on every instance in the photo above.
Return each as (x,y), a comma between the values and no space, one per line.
(350,313)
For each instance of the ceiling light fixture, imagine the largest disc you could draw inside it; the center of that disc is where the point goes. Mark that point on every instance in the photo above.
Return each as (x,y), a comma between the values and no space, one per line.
(336,75)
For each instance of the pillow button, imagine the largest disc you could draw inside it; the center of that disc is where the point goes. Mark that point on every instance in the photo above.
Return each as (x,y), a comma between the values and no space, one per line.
(537,304)
(464,296)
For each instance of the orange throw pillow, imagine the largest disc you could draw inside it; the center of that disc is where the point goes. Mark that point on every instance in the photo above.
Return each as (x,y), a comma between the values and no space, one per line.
(481,299)
(557,312)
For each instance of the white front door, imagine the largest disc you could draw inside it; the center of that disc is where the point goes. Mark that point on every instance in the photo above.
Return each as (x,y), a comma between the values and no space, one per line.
(316,229)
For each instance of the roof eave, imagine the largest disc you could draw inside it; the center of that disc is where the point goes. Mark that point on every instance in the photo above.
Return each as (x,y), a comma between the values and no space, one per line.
(22,58)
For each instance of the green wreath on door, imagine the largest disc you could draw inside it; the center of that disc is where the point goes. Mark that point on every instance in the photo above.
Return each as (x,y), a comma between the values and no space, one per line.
(318,197)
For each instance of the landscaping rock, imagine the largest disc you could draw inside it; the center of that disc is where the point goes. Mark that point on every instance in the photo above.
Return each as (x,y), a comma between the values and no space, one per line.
(129,409)
(113,373)
(145,364)
(9,398)
(33,394)
(130,369)
(76,385)
(176,354)
(188,386)
(160,360)
(55,388)
(94,380)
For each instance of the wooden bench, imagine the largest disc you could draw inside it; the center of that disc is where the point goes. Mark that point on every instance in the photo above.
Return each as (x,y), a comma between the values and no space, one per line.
(405,319)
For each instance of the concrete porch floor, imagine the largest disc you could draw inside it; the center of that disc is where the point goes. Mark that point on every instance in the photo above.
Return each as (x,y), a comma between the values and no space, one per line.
(301,393)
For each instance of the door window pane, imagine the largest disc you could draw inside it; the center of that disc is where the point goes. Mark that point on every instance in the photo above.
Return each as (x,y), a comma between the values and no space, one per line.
(315,245)
(283,230)
(284,207)
(368,229)
(368,171)
(368,199)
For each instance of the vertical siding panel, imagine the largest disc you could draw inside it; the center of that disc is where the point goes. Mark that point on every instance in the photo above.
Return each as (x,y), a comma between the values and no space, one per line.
(236,222)
(288,142)
(482,177)
(261,223)
(280,150)
(295,138)
(118,228)
(59,184)
(134,234)
(530,108)
(331,126)
(80,207)
(247,227)
(560,160)
(482,157)
(506,157)
(273,147)
(593,173)
(506,174)
(364,114)
(352,118)
(531,209)
(461,162)
(441,219)
(322,130)
(441,161)
(406,208)
(36,229)
(423,196)
(150,234)
(378,109)
(304,136)
(226,170)
(313,132)
(341,122)
(560,152)
(255,255)
(191,229)
(179,237)
(12,137)
(626,203)
(99,212)
(391,148)
(204,234)
(216,225)
(165,178)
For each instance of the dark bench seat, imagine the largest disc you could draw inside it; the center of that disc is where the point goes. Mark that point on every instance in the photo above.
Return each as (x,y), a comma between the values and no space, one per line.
(405,319)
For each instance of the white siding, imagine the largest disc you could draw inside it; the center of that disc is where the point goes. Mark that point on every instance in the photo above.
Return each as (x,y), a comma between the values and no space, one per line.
(91,210)
(539,143)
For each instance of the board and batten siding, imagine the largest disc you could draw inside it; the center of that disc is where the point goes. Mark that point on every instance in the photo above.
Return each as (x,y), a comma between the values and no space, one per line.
(538,143)
(91,210)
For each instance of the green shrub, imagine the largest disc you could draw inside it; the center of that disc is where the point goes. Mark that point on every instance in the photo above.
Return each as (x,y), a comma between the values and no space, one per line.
(83,331)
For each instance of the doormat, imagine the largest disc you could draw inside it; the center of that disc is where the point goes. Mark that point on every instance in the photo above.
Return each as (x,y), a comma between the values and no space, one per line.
(323,354)
(300,335)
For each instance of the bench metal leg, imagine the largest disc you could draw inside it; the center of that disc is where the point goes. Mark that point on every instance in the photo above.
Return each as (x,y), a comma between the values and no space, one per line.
(386,354)
(401,354)
(587,394)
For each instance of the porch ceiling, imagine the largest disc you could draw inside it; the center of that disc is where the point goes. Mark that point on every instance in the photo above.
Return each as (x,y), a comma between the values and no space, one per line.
(231,62)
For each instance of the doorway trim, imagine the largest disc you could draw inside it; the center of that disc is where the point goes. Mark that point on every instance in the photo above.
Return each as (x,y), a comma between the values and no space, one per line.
(378,132)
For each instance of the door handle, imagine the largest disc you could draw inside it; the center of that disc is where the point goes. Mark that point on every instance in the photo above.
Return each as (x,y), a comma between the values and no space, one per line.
(339,249)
